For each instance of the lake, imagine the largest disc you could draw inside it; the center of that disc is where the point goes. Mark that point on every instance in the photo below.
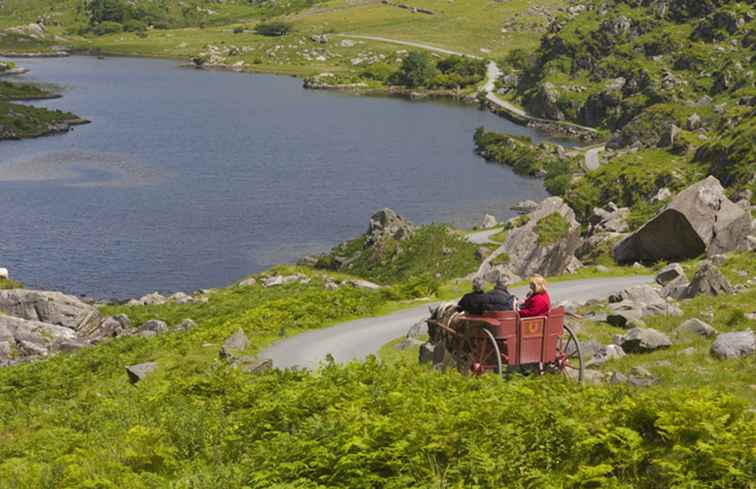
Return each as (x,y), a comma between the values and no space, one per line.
(190,179)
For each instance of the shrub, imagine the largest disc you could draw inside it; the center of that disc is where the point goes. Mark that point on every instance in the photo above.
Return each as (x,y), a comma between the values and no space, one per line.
(378,72)
(107,27)
(132,25)
(552,228)
(417,70)
(275,28)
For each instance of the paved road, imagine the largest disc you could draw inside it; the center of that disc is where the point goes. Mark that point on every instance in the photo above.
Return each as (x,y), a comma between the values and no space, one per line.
(592,160)
(357,339)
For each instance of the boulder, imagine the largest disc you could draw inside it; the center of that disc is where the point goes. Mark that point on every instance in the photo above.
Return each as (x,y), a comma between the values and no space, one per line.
(111,327)
(644,340)
(49,307)
(253,365)
(708,280)
(248,282)
(697,327)
(277,280)
(362,284)
(694,122)
(4,274)
(138,372)
(641,377)
(734,345)
(31,338)
(180,298)
(669,274)
(700,219)
(625,314)
(185,325)
(234,344)
(527,256)
(388,225)
(489,222)
(524,206)
(152,299)
(605,354)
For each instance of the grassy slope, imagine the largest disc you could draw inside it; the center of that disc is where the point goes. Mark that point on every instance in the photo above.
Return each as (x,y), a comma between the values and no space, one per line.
(464,25)
(22,121)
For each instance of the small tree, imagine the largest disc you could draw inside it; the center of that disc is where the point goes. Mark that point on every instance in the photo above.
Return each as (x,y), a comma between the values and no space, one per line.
(417,70)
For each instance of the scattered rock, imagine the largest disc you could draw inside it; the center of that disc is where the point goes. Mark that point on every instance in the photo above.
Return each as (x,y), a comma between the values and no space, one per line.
(153,299)
(489,222)
(277,280)
(180,298)
(185,325)
(670,273)
(696,326)
(483,252)
(138,372)
(708,280)
(253,365)
(362,284)
(248,282)
(154,326)
(644,340)
(734,345)
(234,344)
(524,206)
(111,327)
(694,122)
(641,377)
(618,378)
(34,338)
(699,219)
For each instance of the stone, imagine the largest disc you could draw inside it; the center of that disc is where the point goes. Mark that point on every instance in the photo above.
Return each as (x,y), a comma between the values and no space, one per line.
(489,222)
(153,299)
(641,377)
(388,225)
(644,340)
(235,343)
(670,273)
(624,314)
(662,195)
(708,280)
(253,365)
(483,252)
(687,352)
(591,377)
(4,274)
(67,346)
(669,136)
(110,327)
(700,219)
(330,284)
(527,256)
(153,325)
(618,378)
(524,206)
(185,325)
(675,289)
(138,372)
(604,354)
(694,122)
(180,298)
(277,280)
(362,284)
(248,282)
(734,345)
(34,338)
(697,327)
(50,307)
(644,294)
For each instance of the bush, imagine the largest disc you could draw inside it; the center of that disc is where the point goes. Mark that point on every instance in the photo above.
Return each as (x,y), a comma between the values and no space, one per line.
(276,28)
(378,72)
(417,70)
(132,25)
(551,229)
(107,27)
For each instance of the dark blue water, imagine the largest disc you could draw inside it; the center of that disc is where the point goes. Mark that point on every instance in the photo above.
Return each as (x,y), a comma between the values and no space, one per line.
(189,179)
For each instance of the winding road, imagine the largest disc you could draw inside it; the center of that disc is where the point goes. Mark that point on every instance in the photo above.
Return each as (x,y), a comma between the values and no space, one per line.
(354,340)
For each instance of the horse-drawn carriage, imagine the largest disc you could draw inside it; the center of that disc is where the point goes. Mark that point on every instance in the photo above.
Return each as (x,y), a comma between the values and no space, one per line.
(503,342)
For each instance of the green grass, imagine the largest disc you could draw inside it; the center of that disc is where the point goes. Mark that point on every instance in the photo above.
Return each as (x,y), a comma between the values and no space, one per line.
(551,229)
(9,284)
(500,237)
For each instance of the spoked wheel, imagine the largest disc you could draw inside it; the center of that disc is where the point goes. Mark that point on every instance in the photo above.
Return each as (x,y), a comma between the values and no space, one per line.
(478,355)
(570,355)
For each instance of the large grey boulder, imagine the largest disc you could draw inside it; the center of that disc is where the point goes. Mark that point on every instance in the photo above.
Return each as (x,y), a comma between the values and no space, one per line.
(153,327)
(385,225)
(734,345)
(697,327)
(489,222)
(644,340)
(708,280)
(700,219)
(524,254)
(49,307)
(22,337)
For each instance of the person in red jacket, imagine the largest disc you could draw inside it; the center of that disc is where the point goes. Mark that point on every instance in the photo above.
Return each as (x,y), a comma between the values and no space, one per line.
(538,302)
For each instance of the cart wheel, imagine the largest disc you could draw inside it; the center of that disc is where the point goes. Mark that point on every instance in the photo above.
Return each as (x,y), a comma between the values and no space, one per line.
(476,356)
(570,361)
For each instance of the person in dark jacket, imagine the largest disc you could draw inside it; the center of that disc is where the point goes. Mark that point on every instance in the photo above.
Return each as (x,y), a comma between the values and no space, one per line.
(475,302)
(499,299)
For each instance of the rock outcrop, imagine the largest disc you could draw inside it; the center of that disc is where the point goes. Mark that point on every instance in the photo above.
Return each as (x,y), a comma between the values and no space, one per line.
(387,225)
(708,280)
(23,338)
(531,249)
(700,219)
(49,307)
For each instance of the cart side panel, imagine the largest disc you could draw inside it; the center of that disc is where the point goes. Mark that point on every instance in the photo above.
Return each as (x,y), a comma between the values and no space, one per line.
(532,332)
(554,332)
